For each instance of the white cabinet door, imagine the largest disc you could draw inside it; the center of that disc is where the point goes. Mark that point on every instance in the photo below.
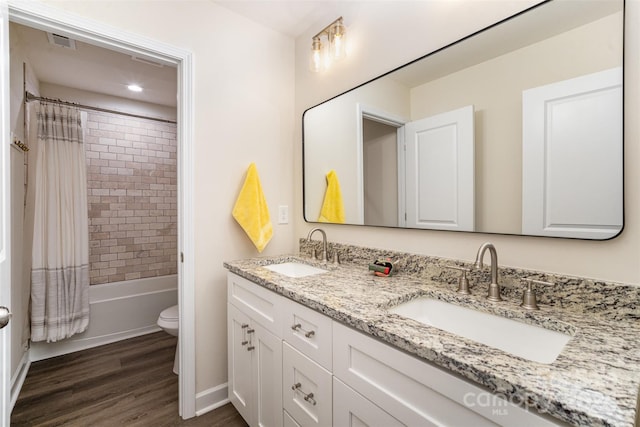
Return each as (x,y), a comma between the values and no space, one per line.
(306,389)
(572,157)
(351,409)
(440,171)
(267,377)
(240,382)
(255,370)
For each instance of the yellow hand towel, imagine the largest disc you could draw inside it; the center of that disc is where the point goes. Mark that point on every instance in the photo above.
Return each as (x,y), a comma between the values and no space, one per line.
(251,210)
(332,207)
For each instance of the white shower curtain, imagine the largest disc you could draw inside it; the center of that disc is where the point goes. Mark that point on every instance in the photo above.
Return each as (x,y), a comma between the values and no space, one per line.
(60,252)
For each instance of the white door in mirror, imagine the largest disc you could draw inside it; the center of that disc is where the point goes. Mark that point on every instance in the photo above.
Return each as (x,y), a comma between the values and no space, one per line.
(440,161)
(571,157)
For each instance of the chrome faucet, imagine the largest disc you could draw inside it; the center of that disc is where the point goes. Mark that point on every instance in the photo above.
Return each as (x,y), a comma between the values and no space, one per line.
(324,243)
(494,288)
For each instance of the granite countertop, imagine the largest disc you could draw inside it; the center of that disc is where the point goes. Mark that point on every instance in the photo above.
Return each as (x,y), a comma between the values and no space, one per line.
(594,381)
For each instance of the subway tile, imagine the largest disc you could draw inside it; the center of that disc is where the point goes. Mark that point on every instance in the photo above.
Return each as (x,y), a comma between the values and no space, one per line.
(106,126)
(124,143)
(125,171)
(107,170)
(118,277)
(108,257)
(125,157)
(117,263)
(116,163)
(100,280)
(125,255)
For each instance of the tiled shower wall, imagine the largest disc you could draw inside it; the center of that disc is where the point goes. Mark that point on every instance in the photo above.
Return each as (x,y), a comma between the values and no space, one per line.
(132,195)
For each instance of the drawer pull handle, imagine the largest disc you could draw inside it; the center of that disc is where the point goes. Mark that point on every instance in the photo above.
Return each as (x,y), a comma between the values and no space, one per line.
(298,327)
(250,331)
(244,342)
(244,326)
(308,397)
(251,347)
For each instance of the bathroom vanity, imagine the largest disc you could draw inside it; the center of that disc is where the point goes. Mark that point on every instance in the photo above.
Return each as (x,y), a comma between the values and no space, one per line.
(330,341)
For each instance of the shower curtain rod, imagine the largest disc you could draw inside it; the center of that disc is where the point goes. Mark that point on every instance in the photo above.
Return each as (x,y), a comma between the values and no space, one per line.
(31,97)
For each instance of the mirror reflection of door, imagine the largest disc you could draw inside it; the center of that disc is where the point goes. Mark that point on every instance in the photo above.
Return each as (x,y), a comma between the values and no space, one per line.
(572,151)
(440,159)
(420,174)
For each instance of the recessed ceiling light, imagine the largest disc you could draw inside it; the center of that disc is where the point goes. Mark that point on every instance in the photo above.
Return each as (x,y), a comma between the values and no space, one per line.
(134,88)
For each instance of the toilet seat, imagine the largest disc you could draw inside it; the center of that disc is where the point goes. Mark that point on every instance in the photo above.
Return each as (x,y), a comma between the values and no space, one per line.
(168,318)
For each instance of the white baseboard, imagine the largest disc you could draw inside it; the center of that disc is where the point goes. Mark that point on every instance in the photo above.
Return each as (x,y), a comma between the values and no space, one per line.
(211,399)
(118,311)
(18,378)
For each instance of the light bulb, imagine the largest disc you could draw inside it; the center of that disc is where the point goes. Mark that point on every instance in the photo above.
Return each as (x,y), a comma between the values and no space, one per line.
(338,41)
(316,62)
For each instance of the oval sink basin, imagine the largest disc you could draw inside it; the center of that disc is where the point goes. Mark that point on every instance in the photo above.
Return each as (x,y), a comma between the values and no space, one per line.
(295,269)
(520,339)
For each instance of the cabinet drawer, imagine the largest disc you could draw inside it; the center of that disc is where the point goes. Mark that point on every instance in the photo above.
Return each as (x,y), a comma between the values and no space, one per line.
(306,389)
(262,305)
(309,332)
(350,408)
(416,392)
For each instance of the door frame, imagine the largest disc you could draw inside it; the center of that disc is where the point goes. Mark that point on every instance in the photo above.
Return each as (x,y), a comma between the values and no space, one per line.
(368,112)
(52,19)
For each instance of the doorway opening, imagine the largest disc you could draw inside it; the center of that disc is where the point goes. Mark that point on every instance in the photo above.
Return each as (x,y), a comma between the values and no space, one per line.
(56,22)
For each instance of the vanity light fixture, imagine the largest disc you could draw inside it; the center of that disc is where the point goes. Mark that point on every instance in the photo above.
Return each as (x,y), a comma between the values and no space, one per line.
(134,88)
(321,55)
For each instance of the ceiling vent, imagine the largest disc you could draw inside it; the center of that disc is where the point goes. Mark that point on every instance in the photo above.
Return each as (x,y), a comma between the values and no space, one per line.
(62,41)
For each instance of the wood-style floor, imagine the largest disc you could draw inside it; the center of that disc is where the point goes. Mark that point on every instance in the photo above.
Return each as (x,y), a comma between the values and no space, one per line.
(128,383)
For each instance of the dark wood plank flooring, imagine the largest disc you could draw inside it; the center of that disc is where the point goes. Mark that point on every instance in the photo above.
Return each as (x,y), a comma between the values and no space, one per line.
(128,383)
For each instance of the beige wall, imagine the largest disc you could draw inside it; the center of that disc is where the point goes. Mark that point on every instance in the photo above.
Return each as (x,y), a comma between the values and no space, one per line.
(414,28)
(243,113)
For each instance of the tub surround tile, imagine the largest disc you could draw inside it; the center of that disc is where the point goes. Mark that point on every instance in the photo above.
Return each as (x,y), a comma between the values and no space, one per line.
(595,381)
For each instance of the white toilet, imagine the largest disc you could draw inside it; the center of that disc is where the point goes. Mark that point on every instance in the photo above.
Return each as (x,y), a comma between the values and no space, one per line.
(168,320)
